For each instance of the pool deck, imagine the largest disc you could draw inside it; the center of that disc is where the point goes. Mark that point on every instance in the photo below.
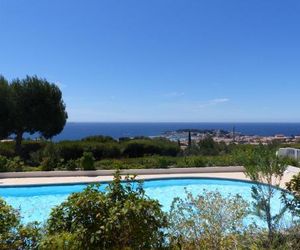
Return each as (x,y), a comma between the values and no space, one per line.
(68,177)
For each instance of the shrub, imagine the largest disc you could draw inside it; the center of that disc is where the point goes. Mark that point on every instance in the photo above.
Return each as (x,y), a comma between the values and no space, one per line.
(121,218)
(99,138)
(293,202)
(142,147)
(11,165)
(15,164)
(3,163)
(71,165)
(48,164)
(14,235)
(87,161)
(205,221)
(70,150)
(49,157)
(7,149)
(28,147)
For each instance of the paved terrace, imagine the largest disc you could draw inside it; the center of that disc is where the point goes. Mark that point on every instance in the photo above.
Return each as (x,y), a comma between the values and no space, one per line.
(72,177)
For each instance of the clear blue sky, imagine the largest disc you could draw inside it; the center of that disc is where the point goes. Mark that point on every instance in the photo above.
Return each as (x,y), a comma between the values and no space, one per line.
(160,60)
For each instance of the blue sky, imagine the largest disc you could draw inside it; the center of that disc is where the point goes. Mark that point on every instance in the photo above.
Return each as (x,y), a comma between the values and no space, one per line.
(160,60)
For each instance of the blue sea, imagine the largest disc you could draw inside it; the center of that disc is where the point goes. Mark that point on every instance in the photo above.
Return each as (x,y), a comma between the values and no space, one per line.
(74,130)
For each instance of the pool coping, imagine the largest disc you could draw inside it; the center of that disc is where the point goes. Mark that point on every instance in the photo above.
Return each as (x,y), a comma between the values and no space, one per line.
(143,179)
(31,179)
(94,173)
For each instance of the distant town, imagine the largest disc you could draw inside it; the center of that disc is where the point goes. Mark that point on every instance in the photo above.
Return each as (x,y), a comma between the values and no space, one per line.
(227,137)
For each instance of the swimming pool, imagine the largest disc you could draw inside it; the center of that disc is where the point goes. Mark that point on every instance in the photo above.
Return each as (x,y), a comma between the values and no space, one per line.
(36,202)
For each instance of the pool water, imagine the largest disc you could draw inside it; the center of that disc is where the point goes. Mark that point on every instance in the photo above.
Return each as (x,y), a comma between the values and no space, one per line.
(35,202)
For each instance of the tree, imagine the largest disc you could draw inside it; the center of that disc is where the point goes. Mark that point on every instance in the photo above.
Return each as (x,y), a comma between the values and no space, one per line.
(207,221)
(189,139)
(123,217)
(37,106)
(266,170)
(5,108)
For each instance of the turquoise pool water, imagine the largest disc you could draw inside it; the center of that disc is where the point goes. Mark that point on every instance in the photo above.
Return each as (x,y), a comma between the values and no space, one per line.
(35,203)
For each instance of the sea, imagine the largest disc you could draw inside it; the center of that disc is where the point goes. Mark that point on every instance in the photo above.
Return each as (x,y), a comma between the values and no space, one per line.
(79,130)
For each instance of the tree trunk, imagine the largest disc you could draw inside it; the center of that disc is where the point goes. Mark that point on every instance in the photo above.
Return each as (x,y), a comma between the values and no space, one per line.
(18,148)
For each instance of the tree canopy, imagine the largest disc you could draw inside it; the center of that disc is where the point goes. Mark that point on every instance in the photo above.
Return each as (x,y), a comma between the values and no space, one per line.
(35,106)
(5,107)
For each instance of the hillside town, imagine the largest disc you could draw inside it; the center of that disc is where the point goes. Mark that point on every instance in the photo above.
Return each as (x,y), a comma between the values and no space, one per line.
(227,137)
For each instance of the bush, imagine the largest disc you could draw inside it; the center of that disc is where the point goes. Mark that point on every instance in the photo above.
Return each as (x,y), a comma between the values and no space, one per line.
(205,221)
(50,158)
(71,165)
(158,146)
(99,138)
(7,149)
(3,163)
(121,218)
(48,164)
(87,161)
(69,150)
(14,235)
(11,165)
(293,202)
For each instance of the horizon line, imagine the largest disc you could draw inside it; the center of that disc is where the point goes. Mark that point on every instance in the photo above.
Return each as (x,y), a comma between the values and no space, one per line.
(183,122)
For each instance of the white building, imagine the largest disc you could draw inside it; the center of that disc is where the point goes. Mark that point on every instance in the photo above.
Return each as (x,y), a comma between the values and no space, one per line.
(293,153)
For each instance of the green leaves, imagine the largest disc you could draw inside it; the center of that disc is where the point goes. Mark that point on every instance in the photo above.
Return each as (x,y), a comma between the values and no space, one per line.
(118,218)
(293,201)
(14,235)
(31,105)
(266,167)
(204,221)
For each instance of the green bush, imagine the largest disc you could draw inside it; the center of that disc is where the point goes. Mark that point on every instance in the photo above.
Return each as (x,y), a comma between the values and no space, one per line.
(14,235)
(11,165)
(48,164)
(69,150)
(15,164)
(205,221)
(121,218)
(71,165)
(3,163)
(143,147)
(293,202)
(7,149)
(87,161)
(99,138)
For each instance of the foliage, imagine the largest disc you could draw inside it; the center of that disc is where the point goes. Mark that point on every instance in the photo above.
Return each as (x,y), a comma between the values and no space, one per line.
(265,167)
(99,138)
(120,218)
(14,235)
(87,161)
(69,150)
(293,201)
(208,146)
(205,221)
(64,240)
(71,165)
(11,164)
(36,106)
(5,106)
(156,146)
(48,157)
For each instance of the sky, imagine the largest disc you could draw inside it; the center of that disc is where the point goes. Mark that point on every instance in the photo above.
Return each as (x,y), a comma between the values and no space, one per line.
(159,60)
